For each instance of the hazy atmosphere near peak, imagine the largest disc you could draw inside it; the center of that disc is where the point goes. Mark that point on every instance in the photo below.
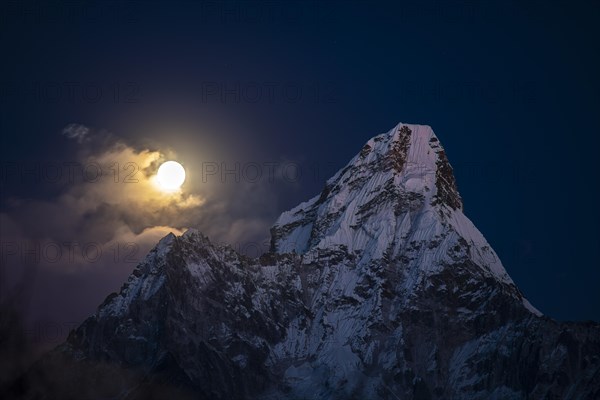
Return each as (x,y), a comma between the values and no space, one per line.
(261,103)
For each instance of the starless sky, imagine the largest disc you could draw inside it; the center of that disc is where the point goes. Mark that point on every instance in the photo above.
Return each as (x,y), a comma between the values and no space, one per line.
(511,89)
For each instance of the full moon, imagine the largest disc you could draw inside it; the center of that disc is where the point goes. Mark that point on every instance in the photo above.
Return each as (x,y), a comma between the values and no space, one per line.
(170,176)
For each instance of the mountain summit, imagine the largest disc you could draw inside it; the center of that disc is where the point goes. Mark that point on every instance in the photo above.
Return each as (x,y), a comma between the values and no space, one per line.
(397,195)
(378,288)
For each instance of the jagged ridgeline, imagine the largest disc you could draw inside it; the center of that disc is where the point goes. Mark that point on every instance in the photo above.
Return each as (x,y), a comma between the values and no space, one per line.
(377,288)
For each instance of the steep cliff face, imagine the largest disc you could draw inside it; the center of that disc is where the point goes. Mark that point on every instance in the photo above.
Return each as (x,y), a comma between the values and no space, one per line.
(378,288)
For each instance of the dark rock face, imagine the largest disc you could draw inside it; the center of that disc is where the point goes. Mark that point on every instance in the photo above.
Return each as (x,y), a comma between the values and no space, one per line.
(378,288)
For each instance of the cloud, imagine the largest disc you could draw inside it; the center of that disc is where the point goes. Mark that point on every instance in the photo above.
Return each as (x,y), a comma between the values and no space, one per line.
(76,132)
(111,199)
(64,252)
(108,199)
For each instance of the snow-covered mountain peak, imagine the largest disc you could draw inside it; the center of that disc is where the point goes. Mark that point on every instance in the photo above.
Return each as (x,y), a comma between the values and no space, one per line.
(165,243)
(397,194)
(409,155)
(401,173)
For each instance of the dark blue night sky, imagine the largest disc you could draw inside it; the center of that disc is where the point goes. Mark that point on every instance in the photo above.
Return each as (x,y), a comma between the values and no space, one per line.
(511,89)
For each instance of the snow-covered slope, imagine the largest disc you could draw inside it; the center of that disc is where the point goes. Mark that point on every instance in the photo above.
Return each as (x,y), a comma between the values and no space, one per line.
(399,191)
(378,288)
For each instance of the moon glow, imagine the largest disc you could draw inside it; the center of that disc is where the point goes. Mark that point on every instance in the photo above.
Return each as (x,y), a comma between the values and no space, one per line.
(170,176)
